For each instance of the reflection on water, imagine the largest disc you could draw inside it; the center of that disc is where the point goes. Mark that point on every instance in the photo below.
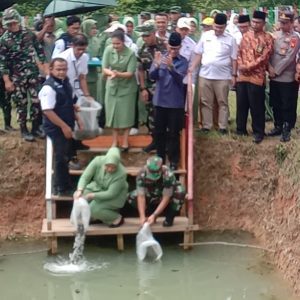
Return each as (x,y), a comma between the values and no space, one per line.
(205,273)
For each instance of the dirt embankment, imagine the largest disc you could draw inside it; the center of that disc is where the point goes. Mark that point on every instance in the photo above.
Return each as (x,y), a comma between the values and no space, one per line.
(238,186)
(254,188)
(22,181)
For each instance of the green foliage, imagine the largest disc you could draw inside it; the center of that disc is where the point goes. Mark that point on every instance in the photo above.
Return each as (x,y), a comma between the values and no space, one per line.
(31,7)
(281,153)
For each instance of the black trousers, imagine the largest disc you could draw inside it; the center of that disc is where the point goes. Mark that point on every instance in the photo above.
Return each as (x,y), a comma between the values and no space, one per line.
(251,97)
(168,124)
(283,99)
(5,104)
(62,153)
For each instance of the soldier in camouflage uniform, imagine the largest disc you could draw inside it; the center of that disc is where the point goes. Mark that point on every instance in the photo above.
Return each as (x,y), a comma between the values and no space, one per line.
(4,101)
(175,14)
(147,86)
(18,67)
(157,192)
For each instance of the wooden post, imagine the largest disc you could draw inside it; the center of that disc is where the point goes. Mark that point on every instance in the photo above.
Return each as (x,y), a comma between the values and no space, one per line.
(120,242)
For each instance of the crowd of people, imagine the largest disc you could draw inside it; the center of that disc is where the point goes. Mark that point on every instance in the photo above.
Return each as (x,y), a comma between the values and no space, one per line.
(143,69)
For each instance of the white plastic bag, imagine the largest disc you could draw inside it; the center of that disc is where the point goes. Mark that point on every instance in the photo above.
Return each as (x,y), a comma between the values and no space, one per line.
(89,111)
(146,245)
(81,213)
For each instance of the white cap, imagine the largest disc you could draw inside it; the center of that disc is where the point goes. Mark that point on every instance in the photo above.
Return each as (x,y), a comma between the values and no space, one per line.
(184,22)
(116,25)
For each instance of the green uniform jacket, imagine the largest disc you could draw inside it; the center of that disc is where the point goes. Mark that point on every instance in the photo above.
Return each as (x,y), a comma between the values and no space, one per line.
(110,189)
(120,94)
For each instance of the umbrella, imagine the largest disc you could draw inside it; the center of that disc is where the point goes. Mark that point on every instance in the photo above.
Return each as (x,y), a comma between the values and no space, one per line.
(4,4)
(61,8)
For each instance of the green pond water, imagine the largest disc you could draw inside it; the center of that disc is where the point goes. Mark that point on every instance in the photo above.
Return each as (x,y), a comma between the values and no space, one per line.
(210,272)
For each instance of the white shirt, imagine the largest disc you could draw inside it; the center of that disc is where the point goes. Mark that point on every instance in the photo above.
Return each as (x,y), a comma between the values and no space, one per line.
(166,37)
(47,96)
(217,53)
(58,48)
(76,67)
(187,50)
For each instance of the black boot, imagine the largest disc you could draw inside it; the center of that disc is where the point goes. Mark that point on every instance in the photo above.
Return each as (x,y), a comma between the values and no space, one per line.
(286,133)
(150,147)
(25,134)
(37,131)
(7,122)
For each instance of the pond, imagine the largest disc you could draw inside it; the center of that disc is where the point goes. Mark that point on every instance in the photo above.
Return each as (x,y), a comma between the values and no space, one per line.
(208,272)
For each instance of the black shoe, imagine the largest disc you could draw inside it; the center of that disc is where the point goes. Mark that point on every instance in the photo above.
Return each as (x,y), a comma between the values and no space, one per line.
(258,139)
(80,146)
(276,131)
(124,149)
(241,133)
(121,222)
(8,128)
(150,147)
(168,222)
(204,130)
(223,131)
(286,133)
(173,166)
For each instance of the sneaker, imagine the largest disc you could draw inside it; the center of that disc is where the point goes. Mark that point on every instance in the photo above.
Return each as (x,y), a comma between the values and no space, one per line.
(62,192)
(133,131)
(9,128)
(258,139)
(74,164)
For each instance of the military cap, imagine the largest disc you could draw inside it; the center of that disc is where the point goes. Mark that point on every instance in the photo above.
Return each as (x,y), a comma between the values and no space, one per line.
(145,14)
(10,15)
(146,28)
(154,165)
(208,21)
(175,9)
(286,16)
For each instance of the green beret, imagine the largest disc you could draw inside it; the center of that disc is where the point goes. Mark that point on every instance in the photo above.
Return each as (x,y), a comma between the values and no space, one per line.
(175,9)
(146,29)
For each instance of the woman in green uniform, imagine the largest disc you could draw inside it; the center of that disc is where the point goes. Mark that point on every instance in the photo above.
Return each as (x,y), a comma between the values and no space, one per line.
(104,183)
(89,29)
(119,66)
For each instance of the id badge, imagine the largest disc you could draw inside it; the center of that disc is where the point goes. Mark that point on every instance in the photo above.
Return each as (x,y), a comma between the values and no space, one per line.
(76,84)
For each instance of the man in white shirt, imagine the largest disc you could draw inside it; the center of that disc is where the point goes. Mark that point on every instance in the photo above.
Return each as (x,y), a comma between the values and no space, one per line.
(64,42)
(77,65)
(217,53)
(187,44)
(161,23)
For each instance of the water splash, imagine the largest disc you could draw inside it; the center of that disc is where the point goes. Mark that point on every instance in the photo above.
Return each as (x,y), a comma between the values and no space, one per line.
(77,255)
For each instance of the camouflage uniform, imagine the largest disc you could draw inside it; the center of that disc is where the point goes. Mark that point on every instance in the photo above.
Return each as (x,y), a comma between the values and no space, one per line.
(5,103)
(154,181)
(18,52)
(145,58)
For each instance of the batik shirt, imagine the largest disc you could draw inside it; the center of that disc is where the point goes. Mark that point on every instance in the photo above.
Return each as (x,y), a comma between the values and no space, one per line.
(254,53)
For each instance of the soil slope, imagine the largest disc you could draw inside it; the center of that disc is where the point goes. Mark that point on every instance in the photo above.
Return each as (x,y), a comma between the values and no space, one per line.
(238,186)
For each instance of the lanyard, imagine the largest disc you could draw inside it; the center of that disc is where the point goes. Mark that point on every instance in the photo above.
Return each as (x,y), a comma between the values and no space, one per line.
(76,71)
